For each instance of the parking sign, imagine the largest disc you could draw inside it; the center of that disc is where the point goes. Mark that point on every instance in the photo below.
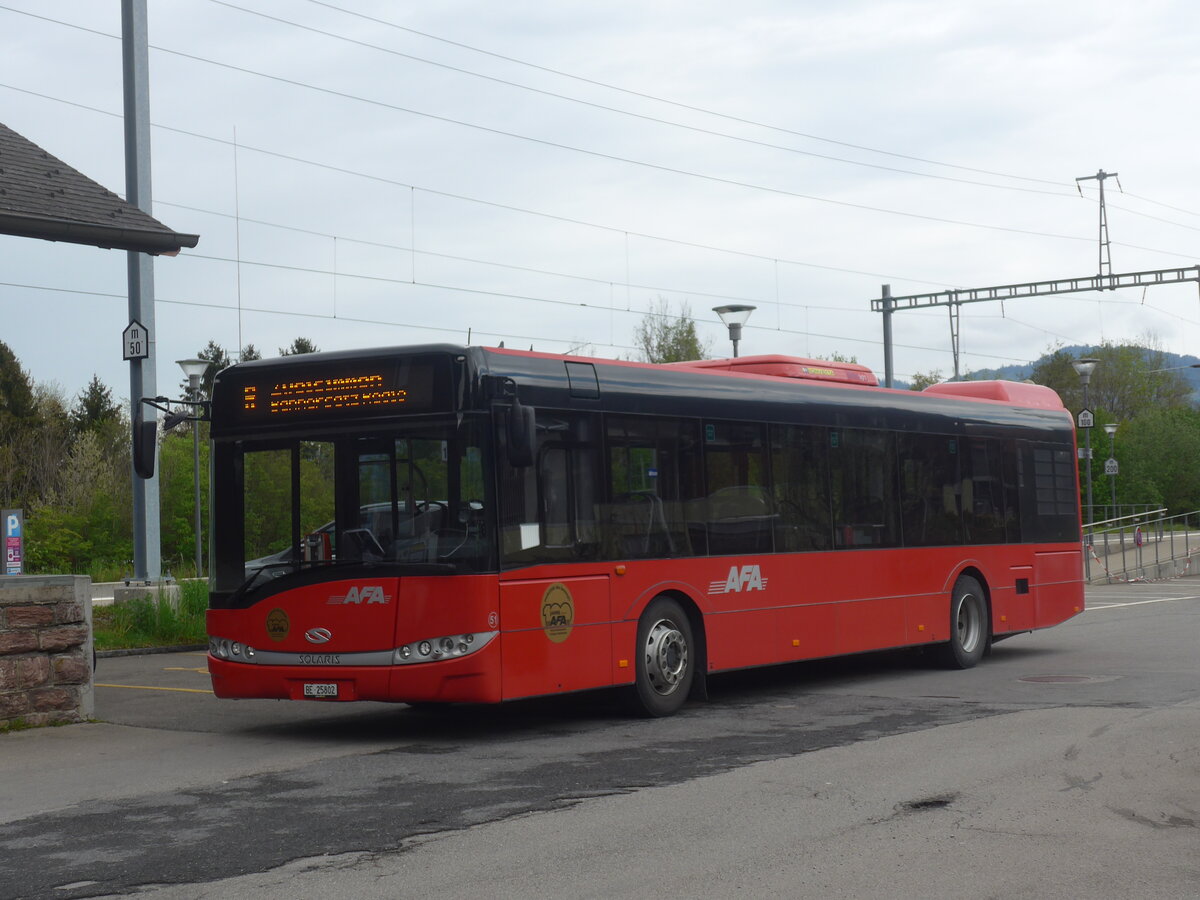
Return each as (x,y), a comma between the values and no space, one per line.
(14,549)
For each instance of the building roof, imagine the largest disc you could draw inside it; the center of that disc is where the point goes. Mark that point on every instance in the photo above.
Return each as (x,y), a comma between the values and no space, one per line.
(43,197)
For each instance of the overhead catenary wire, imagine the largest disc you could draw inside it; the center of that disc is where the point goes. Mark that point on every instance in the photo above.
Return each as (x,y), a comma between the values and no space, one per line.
(659,167)
(882,276)
(652,237)
(465,198)
(1007,359)
(646,96)
(642,116)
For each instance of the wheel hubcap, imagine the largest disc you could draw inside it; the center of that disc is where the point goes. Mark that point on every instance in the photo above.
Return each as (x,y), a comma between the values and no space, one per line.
(666,657)
(970,623)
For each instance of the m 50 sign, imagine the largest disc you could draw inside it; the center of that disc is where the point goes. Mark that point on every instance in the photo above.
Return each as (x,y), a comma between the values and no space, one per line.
(14,548)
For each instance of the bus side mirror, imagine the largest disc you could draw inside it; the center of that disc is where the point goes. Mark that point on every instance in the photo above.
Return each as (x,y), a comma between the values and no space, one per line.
(145,436)
(522,434)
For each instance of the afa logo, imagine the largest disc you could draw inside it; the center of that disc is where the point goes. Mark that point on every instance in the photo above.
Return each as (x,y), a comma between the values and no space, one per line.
(368,593)
(278,625)
(558,612)
(747,578)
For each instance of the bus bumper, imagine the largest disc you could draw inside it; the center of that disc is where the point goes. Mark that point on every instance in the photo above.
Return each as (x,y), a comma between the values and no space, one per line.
(471,679)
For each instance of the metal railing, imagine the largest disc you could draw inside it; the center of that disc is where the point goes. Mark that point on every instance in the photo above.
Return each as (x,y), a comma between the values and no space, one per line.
(1141,546)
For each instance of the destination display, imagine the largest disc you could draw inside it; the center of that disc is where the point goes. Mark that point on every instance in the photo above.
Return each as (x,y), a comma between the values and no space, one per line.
(361,392)
(329,390)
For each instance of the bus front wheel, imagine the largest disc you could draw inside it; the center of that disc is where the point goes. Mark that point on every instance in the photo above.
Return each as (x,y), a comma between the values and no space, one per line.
(666,658)
(969,627)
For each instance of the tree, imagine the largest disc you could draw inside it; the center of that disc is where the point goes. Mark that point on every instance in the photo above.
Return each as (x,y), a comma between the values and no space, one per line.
(664,337)
(249,352)
(1127,382)
(1157,455)
(94,407)
(299,345)
(85,521)
(218,359)
(16,391)
(922,380)
(19,425)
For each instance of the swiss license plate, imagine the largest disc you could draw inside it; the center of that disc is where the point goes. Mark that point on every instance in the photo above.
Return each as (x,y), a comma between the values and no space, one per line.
(320,690)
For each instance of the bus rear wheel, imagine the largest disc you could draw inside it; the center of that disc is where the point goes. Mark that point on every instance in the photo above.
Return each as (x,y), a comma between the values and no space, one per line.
(969,628)
(666,659)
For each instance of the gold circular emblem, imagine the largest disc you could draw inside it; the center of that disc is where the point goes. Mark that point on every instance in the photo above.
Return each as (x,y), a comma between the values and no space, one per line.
(277,625)
(558,612)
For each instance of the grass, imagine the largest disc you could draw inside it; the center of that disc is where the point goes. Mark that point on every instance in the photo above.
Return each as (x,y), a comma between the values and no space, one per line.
(116,570)
(20,724)
(153,623)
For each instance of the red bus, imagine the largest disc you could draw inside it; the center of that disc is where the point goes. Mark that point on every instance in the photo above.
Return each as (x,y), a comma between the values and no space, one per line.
(464,524)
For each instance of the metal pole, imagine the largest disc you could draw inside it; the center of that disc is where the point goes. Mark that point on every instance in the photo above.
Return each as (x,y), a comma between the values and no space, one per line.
(1112,479)
(887,309)
(196,483)
(147,562)
(1087,463)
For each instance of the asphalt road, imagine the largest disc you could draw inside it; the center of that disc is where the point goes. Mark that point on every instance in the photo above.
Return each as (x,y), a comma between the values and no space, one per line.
(1067,764)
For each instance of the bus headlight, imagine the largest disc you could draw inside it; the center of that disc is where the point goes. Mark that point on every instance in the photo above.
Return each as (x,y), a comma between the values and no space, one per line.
(439,649)
(223,648)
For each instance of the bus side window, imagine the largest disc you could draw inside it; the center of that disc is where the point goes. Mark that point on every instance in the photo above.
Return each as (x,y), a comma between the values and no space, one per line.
(1049,499)
(985,506)
(863,483)
(654,476)
(931,490)
(800,469)
(738,511)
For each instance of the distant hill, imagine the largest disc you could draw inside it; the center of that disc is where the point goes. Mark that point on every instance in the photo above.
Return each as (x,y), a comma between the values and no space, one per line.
(1022,372)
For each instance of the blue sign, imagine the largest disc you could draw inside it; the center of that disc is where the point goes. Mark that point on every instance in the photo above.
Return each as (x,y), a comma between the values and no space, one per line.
(14,548)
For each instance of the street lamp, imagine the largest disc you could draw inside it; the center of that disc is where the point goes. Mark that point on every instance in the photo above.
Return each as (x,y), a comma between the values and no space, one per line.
(1085,367)
(194,370)
(734,316)
(1110,428)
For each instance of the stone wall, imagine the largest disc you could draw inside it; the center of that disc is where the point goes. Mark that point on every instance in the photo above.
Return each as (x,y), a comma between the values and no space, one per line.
(45,649)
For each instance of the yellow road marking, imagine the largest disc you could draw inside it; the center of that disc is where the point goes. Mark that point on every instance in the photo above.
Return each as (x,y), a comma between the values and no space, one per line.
(202,671)
(143,687)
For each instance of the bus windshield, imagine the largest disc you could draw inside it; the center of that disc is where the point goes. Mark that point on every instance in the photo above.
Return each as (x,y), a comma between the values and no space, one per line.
(413,493)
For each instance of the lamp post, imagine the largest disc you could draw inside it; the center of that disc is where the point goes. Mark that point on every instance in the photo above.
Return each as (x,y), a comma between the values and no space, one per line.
(194,369)
(734,316)
(1085,367)
(1110,466)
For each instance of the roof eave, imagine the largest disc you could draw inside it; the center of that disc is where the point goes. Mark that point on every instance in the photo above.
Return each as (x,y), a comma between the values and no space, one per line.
(165,243)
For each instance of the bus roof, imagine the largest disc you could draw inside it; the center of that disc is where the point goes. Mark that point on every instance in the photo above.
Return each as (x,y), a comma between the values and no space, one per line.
(766,388)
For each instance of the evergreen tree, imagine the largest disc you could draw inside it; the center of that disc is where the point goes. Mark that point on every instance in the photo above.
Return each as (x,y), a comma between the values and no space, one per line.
(16,391)
(19,427)
(298,346)
(94,407)
(218,359)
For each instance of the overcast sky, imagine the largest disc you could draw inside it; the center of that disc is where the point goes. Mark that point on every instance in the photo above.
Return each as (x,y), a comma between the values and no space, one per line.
(368,173)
